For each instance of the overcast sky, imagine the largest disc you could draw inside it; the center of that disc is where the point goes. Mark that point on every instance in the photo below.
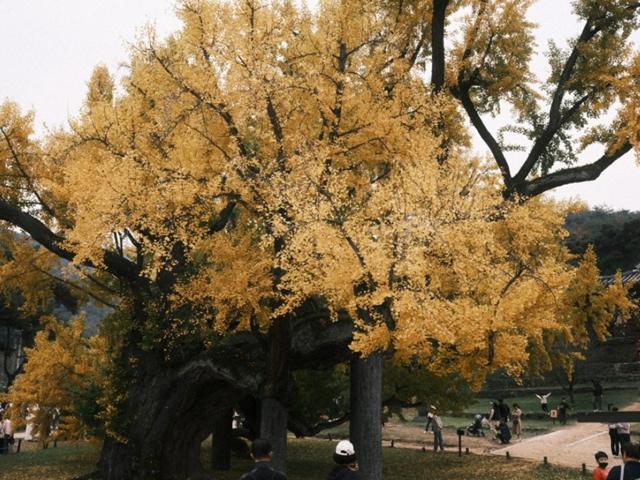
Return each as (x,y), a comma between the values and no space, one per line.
(50,47)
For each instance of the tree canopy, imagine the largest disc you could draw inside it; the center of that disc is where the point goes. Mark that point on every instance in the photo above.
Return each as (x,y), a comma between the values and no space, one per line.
(270,185)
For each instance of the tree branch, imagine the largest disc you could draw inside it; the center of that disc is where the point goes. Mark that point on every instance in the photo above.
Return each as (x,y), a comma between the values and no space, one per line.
(556,120)
(26,177)
(485,134)
(437,44)
(584,173)
(38,231)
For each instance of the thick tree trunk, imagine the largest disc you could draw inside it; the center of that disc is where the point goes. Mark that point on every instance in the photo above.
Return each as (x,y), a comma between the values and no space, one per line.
(273,414)
(273,427)
(166,417)
(366,414)
(168,410)
(221,440)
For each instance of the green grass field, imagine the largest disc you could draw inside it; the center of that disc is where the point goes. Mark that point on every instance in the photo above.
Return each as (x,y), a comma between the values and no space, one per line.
(308,460)
(583,400)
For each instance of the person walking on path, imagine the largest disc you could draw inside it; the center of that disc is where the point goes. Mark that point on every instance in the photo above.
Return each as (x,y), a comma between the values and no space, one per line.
(261,452)
(346,463)
(516,415)
(598,392)
(434,420)
(630,469)
(544,401)
(601,471)
(624,432)
(563,407)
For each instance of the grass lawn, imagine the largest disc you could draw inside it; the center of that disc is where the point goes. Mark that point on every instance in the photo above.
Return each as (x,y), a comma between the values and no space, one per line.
(308,460)
(583,400)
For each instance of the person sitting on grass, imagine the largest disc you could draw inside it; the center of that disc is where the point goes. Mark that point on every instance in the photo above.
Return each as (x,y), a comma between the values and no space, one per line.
(630,469)
(346,462)
(504,435)
(261,452)
(601,471)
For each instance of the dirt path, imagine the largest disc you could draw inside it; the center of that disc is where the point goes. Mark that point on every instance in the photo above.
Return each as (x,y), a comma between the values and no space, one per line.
(571,446)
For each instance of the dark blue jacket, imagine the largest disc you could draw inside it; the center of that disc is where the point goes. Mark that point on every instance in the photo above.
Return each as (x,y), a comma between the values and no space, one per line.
(264,471)
(340,472)
(631,471)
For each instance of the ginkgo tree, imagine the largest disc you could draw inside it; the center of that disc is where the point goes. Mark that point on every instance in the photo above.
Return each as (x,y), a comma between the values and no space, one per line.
(276,189)
(55,391)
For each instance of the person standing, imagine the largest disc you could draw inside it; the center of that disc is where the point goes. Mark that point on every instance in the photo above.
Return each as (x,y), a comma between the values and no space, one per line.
(262,453)
(346,463)
(3,444)
(436,423)
(630,468)
(493,418)
(563,407)
(516,415)
(598,392)
(7,434)
(624,432)
(613,436)
(503,410)
(544,401)
(601,471)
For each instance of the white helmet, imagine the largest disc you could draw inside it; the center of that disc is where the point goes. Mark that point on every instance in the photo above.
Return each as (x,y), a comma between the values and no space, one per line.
(345,453)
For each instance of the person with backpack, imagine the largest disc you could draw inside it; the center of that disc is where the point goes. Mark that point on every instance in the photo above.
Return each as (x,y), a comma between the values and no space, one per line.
(346,467)
(262,453)
(437,425)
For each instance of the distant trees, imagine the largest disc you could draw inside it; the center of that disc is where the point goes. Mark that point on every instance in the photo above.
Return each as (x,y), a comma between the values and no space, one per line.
(615,236)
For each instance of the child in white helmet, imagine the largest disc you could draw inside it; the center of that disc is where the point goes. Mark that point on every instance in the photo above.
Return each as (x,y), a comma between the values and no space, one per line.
(346,463)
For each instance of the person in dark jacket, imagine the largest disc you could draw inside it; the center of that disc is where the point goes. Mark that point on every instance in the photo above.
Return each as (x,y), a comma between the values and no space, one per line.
(630,469)
(261,452)
(598,392)
(503,410)
(346,462)
(563,407)
(504,434)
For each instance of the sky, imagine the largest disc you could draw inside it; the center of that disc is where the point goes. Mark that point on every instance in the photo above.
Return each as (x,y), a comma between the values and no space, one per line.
(50,47)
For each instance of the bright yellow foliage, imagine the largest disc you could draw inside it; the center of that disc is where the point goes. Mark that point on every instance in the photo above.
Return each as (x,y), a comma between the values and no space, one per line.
(317,133)
(61,369)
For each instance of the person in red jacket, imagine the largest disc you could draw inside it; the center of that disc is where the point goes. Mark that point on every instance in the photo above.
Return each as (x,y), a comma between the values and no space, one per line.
(601,471)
